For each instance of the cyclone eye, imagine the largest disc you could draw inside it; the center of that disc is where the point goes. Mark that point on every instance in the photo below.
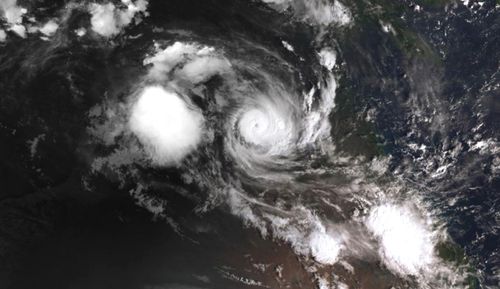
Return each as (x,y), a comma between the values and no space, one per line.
(256,127)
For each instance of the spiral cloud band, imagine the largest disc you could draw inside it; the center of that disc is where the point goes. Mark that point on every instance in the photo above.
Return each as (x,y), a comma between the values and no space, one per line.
(249,127)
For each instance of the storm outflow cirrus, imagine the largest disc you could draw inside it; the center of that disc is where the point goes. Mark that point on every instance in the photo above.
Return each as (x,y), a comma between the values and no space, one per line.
(200,144)
(250,124)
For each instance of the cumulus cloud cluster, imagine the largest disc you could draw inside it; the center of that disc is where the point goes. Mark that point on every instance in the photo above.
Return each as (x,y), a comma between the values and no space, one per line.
(316,123)
(328,58)
(3,35)
(269,126)
(163,120)
(321,12)
(13,15)
(301,228)
(167,127)
(161,116)
(406,241)
(189,62)
(324,247)
(108,20)
(49,28)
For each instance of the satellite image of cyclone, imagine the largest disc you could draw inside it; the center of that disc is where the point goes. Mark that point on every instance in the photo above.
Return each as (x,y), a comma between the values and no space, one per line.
(248,144)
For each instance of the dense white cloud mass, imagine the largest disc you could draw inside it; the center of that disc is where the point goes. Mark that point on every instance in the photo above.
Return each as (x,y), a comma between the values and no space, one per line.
(3,35)
(341,13)
(279,2)
(133,7)
(49,28)
(103,19)
(302,229)
(268,151)
(268,127)
(199,63)
(324,248)
(328,58)
(165,60)
(80,32)
(162,117)
(19,30)
(13,15)
(321,12)
(11,12)
(165,125)
(108,20)
(406,242)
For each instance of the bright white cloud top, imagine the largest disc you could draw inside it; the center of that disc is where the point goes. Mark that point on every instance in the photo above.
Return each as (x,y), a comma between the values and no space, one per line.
(103,19)
(328,58)
(324,248)
(13,15)
(320,12)
(268,127)
(49,28)
(108,20)
(406,242)
(3,35)
(12,12)
(167,127)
